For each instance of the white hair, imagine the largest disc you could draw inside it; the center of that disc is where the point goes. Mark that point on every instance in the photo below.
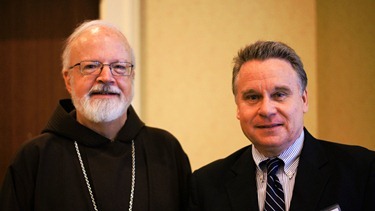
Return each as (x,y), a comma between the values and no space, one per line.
(84,27)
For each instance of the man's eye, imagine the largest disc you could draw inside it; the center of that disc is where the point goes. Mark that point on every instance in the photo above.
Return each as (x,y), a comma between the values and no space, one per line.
(279,95)
(119,67)
(251,97)
(90,66)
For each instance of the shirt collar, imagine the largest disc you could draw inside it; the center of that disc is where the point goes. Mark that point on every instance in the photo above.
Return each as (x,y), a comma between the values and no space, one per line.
(290,156)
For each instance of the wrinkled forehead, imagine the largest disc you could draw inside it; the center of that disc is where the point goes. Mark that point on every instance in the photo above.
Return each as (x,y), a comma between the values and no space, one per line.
(275,72)
(98,43)
(101,33)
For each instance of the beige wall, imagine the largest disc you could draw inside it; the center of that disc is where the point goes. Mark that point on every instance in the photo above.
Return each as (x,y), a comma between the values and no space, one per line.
(187,49)
(126,15)
(346,63)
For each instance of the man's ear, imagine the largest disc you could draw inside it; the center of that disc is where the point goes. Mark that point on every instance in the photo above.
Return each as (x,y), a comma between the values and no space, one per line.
(237,110)
(238,114)
(67,79)
(305,101)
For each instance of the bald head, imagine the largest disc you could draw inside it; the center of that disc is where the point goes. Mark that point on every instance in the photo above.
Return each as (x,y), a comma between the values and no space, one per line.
(91,29)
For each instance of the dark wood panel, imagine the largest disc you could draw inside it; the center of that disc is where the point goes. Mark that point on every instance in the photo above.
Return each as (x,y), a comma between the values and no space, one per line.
(31,40)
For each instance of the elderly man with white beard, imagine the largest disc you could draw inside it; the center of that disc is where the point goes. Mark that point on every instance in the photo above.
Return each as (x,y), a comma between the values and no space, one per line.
(95,153)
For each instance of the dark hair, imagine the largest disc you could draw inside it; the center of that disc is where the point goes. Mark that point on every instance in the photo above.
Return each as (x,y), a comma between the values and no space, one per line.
(262,50)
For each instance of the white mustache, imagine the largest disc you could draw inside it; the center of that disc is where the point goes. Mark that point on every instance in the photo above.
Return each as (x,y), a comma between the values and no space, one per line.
(104,89)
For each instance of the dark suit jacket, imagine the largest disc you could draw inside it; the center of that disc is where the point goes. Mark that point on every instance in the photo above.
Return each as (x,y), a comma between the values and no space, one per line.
(328,174)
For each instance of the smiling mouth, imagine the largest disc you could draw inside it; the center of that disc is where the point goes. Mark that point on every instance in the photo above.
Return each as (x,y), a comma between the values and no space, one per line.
(104,90)
(268,126)
(103,93)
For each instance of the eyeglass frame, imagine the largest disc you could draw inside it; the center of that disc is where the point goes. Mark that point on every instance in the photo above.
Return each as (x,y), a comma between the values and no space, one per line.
(131,66)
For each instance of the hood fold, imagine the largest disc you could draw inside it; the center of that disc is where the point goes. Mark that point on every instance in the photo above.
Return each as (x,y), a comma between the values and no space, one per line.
(63,123)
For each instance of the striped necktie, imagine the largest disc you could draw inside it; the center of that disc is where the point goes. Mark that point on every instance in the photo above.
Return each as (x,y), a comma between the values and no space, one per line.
(274,191)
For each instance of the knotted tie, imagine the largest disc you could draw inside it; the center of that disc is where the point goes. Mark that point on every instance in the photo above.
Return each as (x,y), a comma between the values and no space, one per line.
(274,192)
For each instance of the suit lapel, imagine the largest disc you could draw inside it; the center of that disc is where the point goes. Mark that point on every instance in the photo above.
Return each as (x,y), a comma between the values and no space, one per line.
(241,184)
(312,175)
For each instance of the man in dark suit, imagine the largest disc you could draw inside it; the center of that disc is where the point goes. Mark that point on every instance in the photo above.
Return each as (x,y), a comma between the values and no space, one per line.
(285,168)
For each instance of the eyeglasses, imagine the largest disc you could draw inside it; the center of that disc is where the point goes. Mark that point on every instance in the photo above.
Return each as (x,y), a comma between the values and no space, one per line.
(96,67)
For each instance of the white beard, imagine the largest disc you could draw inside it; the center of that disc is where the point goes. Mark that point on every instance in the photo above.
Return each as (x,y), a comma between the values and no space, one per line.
(101,110)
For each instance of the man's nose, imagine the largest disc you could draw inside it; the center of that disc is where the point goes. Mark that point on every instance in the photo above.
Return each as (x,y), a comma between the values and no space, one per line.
(105,75)
(266,107)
